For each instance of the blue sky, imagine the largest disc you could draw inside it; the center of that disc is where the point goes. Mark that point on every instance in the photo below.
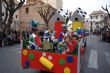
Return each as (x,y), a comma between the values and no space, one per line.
(86,5)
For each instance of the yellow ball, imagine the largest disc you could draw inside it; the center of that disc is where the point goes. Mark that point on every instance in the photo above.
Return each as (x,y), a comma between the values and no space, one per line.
(24,52)
(67,70)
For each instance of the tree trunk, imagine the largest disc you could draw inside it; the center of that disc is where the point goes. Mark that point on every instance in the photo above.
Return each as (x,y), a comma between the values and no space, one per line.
(7,27)
(46,22)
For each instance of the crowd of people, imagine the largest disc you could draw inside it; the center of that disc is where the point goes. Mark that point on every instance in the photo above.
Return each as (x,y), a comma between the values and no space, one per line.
(65,43)
(104,36)
(13,38)
(59,40)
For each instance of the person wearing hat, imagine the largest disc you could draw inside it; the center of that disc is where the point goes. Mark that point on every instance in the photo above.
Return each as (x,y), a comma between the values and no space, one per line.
(34,38)
(63,34)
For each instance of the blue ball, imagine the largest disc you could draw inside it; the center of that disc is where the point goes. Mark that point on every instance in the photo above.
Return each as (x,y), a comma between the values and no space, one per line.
(27,64)
(70,59)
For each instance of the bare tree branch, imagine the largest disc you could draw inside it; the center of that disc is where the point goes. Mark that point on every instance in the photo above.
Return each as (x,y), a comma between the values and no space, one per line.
(106,9)
(46,12)
(10,8)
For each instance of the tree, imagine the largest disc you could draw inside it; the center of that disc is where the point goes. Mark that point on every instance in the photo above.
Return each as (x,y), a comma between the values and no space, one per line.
(69,13)
(106,9)
(10,7)
(46,12)
(106,18)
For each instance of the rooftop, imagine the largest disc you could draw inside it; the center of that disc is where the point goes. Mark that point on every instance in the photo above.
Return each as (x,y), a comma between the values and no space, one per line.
(34,3)
(97,12)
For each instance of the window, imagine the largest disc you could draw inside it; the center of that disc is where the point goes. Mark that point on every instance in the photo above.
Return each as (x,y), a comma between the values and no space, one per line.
(27,10)
(16,16)
(91,17)
(91,23)
(3,14)
(96,17)
(101,16)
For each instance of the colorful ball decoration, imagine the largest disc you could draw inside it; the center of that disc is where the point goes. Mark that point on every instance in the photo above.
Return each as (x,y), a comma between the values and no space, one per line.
(44,54)
(70,59)
(34,23)
(67,70)
(49,57)
(46,63)
(31,56)
(27,64)
(62,61)
(24,52)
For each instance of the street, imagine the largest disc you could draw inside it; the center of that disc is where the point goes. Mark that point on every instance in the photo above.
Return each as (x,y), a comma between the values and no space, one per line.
(10,60)
(96,58)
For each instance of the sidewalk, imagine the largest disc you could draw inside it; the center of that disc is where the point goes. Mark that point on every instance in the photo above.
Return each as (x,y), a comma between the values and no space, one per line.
(97,56)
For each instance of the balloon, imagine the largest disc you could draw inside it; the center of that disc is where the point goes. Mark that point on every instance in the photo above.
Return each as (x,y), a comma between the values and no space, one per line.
(34,23)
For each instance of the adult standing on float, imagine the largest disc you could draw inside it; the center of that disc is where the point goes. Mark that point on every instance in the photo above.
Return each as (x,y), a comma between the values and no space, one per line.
(34,38)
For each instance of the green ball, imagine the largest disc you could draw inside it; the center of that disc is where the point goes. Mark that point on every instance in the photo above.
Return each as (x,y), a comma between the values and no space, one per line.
(62,61)
(31,56)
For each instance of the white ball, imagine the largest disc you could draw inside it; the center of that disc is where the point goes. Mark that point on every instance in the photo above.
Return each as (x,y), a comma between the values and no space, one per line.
(44,54)
(50,57)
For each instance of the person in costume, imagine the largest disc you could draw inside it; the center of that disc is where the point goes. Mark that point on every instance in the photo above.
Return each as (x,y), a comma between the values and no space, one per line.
(63,34)
(34,38)
(58,27)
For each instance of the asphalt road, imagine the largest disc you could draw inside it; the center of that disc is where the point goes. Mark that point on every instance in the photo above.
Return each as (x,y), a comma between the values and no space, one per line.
(10,60)
(96,58)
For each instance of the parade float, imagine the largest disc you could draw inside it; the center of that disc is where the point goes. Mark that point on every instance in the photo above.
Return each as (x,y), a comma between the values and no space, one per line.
(54,56)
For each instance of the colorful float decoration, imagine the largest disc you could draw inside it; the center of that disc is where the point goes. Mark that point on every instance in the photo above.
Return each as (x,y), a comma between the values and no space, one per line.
(51,57)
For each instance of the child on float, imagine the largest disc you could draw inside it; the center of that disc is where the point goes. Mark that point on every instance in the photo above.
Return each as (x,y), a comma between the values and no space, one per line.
(70,48)
(75,40)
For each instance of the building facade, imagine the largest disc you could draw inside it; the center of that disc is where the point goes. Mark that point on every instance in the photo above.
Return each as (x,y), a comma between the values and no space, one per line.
(29,11)
(95,19)
(87,23)
(16,21)
(57,4)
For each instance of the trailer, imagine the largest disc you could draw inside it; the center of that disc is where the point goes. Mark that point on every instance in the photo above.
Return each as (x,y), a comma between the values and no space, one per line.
(52,62)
